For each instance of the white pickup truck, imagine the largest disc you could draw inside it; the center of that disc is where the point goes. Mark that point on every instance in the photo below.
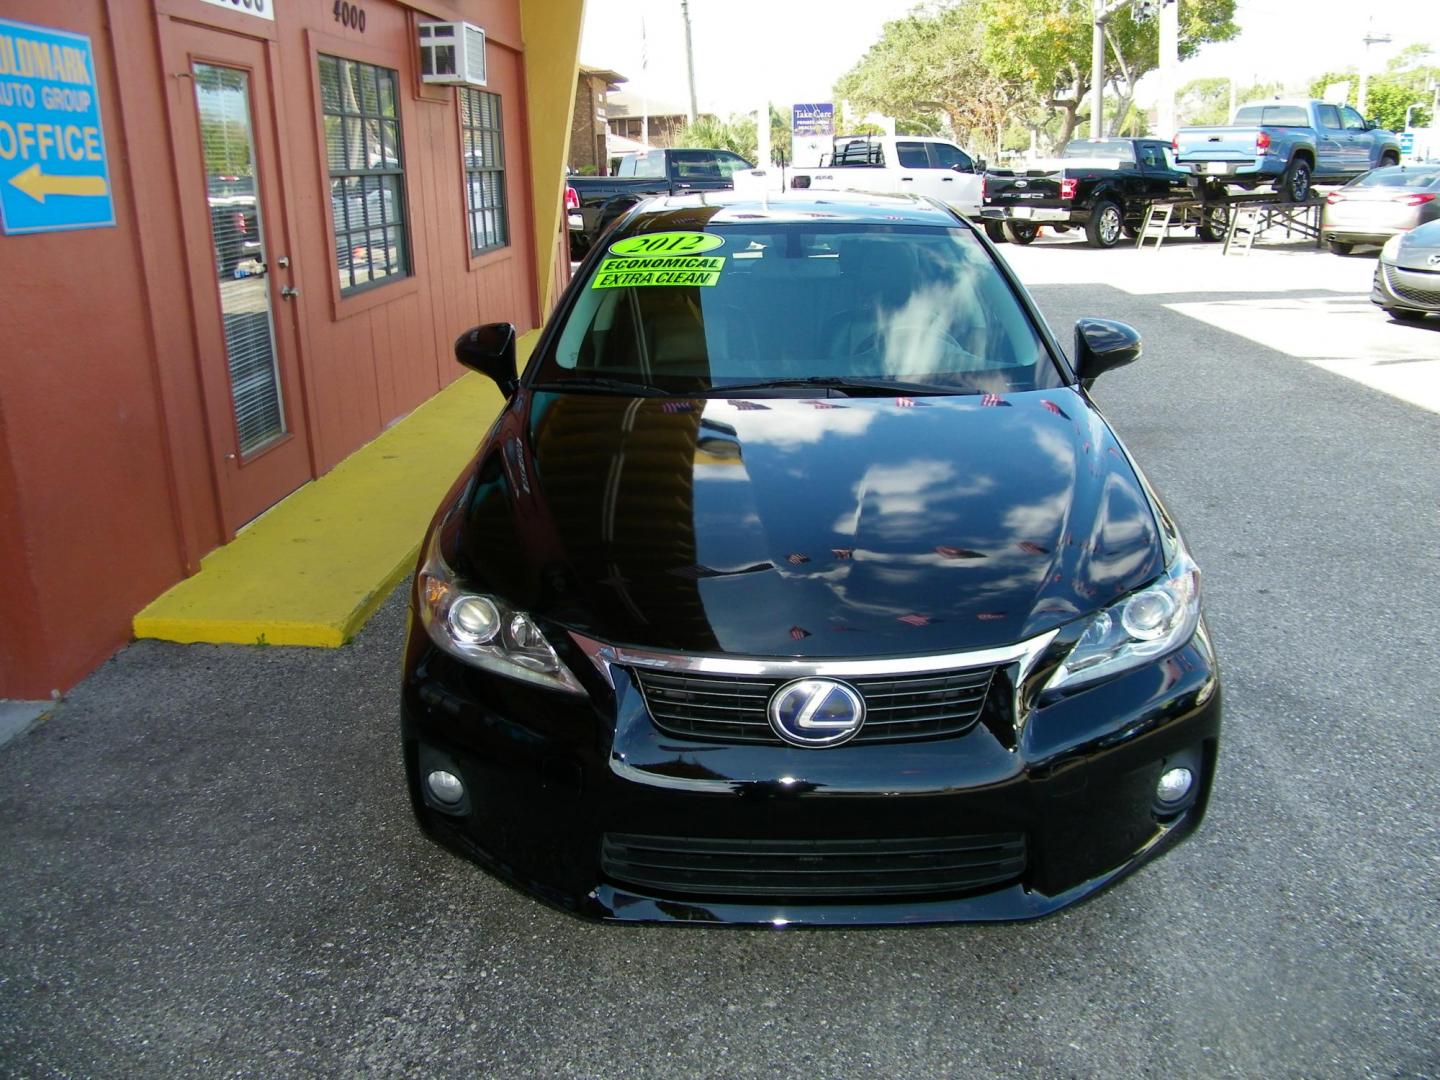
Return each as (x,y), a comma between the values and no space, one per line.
(885,164)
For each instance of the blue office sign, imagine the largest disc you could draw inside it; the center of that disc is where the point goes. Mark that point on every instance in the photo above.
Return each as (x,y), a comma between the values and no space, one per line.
(53,171)
(817,118)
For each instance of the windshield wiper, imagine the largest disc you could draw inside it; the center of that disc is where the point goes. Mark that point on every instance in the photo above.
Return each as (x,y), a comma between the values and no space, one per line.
(602,385)
(853,386)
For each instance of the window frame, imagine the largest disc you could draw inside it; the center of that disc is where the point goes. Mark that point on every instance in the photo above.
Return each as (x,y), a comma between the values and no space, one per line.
(343,53)
(467,171)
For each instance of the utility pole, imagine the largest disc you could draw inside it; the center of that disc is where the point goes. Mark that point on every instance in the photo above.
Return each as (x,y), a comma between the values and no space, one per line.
(1097,71)
(689,58)
(1169,63)
(1369,39)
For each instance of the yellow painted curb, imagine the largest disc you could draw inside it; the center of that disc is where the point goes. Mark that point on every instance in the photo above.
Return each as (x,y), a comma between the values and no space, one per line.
(314,568)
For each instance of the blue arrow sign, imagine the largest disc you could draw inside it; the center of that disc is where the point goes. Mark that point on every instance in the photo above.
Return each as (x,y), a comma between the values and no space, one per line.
(53,170)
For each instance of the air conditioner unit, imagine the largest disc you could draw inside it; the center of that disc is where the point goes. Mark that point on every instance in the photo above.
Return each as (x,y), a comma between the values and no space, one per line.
(452,53)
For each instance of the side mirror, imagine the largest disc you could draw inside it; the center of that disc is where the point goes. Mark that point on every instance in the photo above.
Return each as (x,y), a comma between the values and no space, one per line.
(490,350)
(1372,125)
(1102,344)
(980,164)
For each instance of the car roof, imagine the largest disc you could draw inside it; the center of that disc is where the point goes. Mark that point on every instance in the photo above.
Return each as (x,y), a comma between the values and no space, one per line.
(729,208)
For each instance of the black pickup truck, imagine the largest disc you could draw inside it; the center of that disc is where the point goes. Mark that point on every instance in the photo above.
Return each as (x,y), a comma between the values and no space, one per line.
(656,172)
(1100,185)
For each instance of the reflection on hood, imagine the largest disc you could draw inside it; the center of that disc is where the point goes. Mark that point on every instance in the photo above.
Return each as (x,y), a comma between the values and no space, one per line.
(835,527)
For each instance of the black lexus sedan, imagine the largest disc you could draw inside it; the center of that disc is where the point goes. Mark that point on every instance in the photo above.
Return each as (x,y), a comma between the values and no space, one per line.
(801,582)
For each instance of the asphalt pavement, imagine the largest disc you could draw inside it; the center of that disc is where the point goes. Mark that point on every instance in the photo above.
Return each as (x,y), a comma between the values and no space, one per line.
(209,866)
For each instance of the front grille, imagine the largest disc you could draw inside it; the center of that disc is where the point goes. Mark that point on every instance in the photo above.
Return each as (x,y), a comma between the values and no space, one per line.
(732,708)
(813,868)
(1406,290)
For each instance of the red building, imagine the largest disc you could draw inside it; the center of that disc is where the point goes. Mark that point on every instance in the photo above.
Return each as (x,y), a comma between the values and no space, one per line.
(302,223)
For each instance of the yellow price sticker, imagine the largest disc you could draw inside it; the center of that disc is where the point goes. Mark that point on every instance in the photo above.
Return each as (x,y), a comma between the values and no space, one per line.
(669,270)
(666,243)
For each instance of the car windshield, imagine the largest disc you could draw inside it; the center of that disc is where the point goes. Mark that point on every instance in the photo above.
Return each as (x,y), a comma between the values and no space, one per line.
(1401,177)
(898,306)
(1272,116)
(1111,151)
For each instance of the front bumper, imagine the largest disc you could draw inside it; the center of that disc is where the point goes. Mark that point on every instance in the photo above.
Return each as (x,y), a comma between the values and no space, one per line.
(555,785)
(1396,287)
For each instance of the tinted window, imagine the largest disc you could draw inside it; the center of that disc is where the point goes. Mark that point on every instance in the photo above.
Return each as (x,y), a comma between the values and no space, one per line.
(649,166)
(1400,176)
(1273,115)
(921,304)
(729,164)
(1100,148)
(1329,117)
(912,155)
(1353,120)
(1150,155)
(695,165)
(947,156)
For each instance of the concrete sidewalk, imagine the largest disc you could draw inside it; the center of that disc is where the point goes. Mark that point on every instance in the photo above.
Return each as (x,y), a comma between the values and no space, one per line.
(312,569)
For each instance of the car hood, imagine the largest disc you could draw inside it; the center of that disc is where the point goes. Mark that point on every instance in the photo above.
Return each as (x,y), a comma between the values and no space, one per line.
(839,527)
(1418,245)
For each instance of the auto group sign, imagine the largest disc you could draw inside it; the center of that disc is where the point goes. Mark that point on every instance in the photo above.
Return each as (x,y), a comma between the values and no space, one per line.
(53,171)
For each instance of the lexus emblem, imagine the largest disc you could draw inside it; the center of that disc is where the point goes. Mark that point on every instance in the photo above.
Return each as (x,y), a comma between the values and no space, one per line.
(1435,260)
(816,712)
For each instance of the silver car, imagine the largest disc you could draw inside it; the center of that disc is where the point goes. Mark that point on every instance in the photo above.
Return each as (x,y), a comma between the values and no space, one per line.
(1382,203)
(1407,277)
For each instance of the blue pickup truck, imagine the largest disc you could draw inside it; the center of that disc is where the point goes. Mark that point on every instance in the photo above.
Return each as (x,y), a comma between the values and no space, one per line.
(1290,143)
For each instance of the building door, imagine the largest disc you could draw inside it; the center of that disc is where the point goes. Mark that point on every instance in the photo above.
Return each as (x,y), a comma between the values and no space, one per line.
(238,247)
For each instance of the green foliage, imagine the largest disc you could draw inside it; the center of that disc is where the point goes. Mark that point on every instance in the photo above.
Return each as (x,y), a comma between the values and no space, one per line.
(983,65)
(1045,44)
(738,134)
(1405,82)
(926,72)
(1206,102)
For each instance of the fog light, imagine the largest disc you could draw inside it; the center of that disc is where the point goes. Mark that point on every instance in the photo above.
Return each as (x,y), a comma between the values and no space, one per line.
(1174,785)
(445,787)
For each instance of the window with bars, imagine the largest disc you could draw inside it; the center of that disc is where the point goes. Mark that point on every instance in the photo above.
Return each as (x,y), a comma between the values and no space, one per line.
(483,145)
(367,173)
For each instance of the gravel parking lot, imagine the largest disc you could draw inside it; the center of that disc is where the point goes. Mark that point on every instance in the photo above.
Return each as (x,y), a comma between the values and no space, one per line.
(210,869)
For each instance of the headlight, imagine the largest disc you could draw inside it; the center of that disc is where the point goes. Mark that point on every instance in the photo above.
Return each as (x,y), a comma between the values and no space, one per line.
(1137,629)
(1391,251)
(483,630)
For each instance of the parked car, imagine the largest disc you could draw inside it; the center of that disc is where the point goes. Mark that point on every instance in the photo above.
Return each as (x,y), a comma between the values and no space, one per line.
(800,581)
(1374,207)
(1407,275)
(1100,185)
(234,223)
(898,164)
(1291,143)
(575,223)
(655,172)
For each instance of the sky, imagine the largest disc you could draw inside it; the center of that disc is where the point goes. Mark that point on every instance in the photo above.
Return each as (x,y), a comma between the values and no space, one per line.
(793,50)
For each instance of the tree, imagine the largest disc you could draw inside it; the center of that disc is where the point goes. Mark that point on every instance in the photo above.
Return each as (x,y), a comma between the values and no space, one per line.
(1206,102)
(1406,81)
(927,65)
(738,134)
(1045,45)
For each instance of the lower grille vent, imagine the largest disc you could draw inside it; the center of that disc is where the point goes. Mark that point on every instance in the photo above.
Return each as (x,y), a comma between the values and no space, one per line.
(813,868)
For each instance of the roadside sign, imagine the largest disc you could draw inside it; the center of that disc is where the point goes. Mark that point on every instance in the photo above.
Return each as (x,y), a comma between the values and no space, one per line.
(1407,143)
(53,171)
(817,118)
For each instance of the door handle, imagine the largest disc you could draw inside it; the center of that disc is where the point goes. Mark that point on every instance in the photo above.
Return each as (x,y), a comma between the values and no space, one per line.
(947,179)
(907,179)
(288,292)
